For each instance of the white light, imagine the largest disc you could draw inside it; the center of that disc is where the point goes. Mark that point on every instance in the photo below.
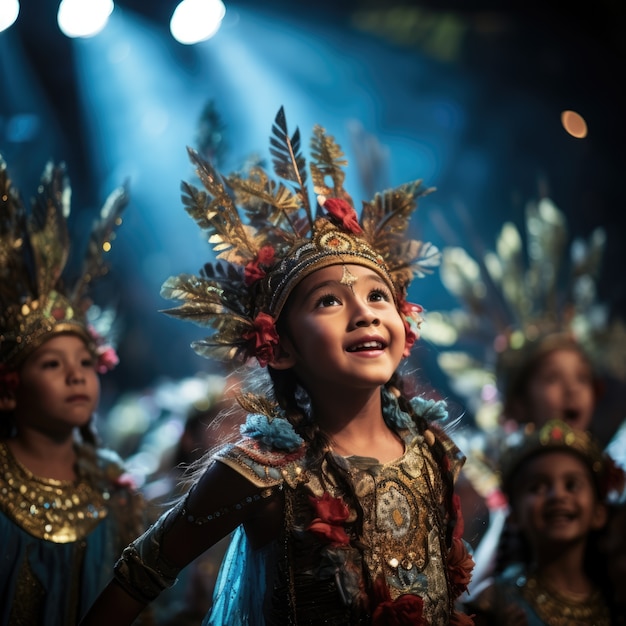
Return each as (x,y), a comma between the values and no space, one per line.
(83,18)
(196,20)
(9,10)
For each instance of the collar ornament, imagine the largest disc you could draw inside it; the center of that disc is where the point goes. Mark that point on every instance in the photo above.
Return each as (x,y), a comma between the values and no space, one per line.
(59,511)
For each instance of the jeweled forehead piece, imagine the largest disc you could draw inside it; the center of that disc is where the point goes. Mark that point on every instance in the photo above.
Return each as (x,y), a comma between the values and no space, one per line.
(348,278)
(328,246)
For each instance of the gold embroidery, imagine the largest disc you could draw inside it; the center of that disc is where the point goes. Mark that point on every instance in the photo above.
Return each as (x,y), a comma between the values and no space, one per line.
(54,510)
(557,609)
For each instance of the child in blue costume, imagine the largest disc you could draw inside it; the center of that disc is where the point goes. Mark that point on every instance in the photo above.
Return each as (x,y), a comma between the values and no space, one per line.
(558,483)
(66,509)
(340,493)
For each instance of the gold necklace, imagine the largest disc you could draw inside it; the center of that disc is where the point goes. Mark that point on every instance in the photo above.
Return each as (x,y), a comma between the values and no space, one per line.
(60,511)
(558,609)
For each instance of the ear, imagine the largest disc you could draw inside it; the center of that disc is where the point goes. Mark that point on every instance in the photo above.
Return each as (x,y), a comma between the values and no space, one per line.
(7,402)
(285,355)
(407,348)
(600,516)
(409,339)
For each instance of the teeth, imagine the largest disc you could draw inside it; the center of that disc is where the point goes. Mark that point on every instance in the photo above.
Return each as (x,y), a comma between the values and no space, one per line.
(368,345)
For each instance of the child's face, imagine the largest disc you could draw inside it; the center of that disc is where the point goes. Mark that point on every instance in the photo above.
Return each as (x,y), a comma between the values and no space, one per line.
(343,329)
(59,387)
(561,387)
(555,502)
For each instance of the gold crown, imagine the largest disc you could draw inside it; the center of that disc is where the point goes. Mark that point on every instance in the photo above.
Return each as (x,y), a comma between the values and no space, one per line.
(268,236)
(36,299)
(558,435)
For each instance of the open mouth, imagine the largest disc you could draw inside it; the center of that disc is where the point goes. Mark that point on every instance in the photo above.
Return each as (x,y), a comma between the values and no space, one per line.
(366,345)
(571,415)
(559,516)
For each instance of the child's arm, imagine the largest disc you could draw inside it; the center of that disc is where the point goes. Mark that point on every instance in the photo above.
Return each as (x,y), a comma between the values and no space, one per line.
(220,501)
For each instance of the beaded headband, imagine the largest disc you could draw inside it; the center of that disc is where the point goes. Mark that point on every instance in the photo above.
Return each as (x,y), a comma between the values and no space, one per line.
(556,435)
(269,236)
(37,300)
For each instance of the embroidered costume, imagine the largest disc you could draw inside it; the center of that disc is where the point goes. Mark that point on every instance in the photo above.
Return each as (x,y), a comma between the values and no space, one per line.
(60,538)
(361,542)
(314,572)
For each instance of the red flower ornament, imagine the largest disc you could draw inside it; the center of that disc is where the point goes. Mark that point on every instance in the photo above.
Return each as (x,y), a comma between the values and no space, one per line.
(106,356)
(412,320)
(107,359)
(329,523)
(343,212)
(406,610)
(264,337)
(254,271)
(460,566)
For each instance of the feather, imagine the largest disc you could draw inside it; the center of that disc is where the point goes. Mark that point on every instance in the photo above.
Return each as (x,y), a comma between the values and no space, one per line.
(289,164)
(47,228)
(327,161)
(102,232)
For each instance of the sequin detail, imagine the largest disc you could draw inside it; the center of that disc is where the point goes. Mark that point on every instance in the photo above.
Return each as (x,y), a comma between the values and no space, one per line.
(54,510)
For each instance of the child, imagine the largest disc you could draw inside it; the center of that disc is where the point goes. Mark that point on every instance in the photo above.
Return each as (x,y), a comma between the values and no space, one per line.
(340,492)
(550,378)
(65,508)
(532,343)
(557,481)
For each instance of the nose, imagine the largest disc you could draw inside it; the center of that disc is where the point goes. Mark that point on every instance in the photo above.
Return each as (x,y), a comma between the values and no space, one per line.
(364,315)
(556,490)
(75,374)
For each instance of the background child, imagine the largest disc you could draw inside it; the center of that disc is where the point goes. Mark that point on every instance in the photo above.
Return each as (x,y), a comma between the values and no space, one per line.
(557,481)
(531,343)
(340,492)
(65,508)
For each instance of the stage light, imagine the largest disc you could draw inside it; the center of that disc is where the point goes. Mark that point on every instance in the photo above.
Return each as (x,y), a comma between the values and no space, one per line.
(82,18)
(574,124)
(196,20)
(9,10)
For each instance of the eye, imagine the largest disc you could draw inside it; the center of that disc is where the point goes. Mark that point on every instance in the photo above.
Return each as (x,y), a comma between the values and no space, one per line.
(379,295)
(47,364)
(573,484)
(536,487)
(87,361)
(327,300)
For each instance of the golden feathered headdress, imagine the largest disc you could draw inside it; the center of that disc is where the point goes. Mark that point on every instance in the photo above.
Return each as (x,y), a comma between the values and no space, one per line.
(37,299)
(533,288)
(268,235)
(556,435)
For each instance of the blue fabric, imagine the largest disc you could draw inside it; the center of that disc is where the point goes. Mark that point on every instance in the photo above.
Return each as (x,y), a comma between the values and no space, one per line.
(240,588)
(53,564)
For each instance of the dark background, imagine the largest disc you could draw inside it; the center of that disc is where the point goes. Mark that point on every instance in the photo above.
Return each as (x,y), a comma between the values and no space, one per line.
(465,94)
